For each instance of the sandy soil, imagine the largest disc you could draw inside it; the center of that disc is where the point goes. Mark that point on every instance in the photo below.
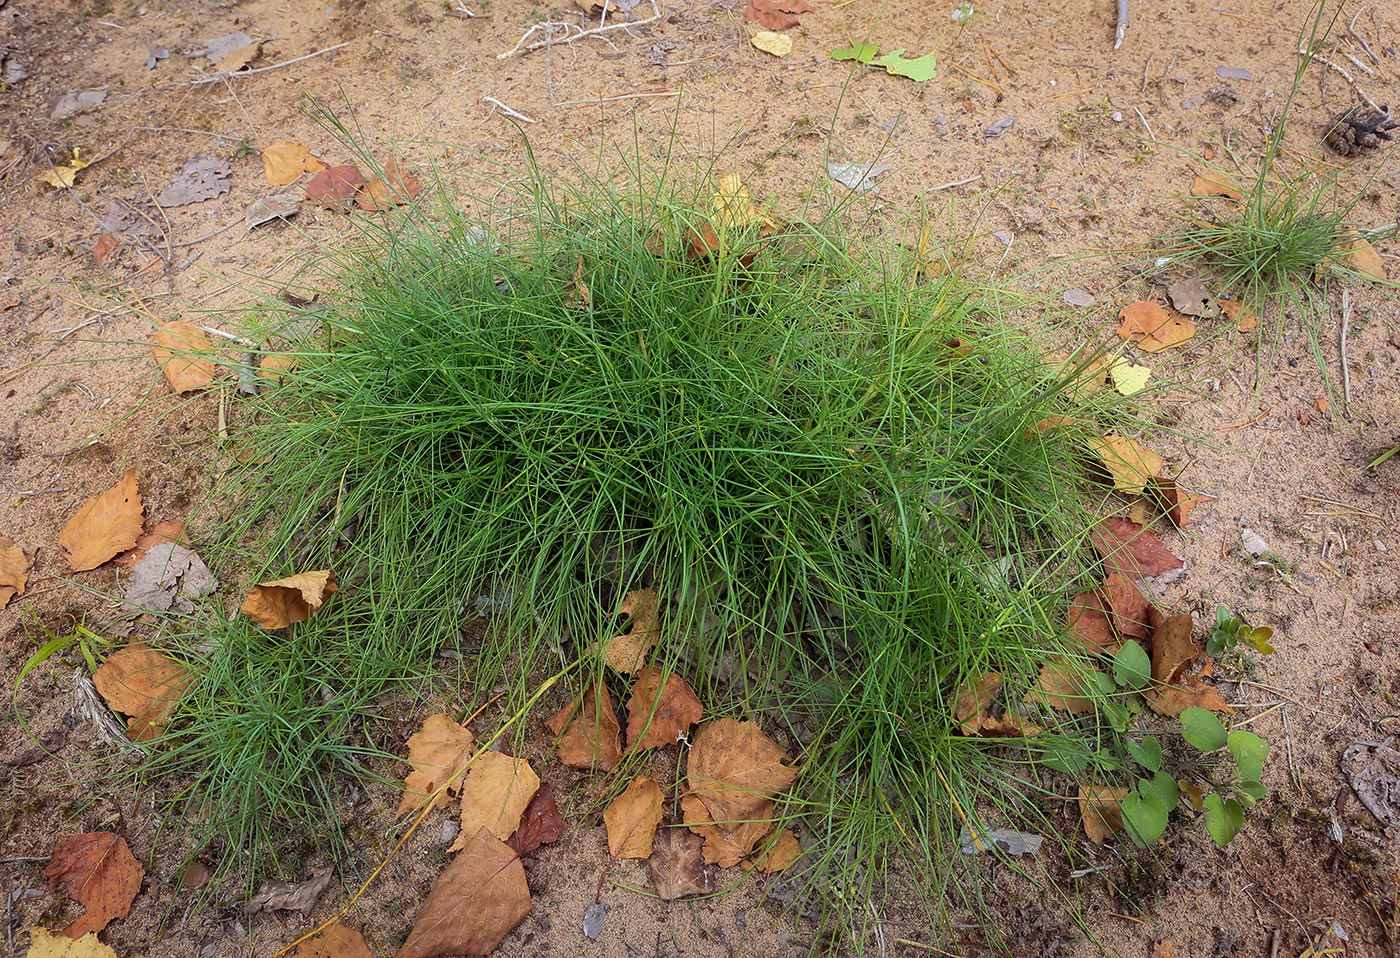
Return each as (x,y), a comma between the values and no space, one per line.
(1103,146)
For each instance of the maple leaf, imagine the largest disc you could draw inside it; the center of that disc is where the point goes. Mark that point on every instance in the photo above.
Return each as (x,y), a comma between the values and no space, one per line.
(337,941)
(103,526)
(677,866)
(143,683)
(631,819)
(1128,548)
(98,870)
(45,944)
(1101,811)
(627,652)
(660,712)
(14,570)
(276,605)
(438,751)
(495,794)
(181,351)
(476,901)
(540,825)
(586,731)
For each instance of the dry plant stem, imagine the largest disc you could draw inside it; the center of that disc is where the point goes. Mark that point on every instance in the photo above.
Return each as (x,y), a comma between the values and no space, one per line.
(1122,29)
(549,26)
(1342,349)
(224,75)
(1303,52)
(507,110)
(949,185)
(1351,29)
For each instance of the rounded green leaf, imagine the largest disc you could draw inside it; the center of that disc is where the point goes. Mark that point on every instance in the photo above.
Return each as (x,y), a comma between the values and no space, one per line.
(1250,751)
(1224,817)
(1144,818)
(1065,758)
(1250,792)
(1161,787)
(1259,638)
(1131,666)
(1202,729)
(1147,754)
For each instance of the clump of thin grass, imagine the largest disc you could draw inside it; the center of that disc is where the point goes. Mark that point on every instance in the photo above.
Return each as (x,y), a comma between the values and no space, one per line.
(833,471)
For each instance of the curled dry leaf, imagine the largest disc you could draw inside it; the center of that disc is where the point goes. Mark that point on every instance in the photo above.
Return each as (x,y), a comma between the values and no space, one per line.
(1179,671)
(495,793)
(1101,810)
(335,187)
(97,870)
(438,751)
(677,865)
(632,818)
(627,652)
(182,351)
(1152,327)
(1127,606)
(1213,183)
(105,246)
(276,605)
(168,577)
(1128,548)
(660,713)
(777,44)
(1173,500)
(476,901)
(778,855)
(540,825)
(337,941)
(144,684)
(14,571)
(1089,623)
(1192,297)
(733,771)
(586,731)
(103,526)
(1130,464)
(295,896)
(285,161)
(979,710)
(393,189)
(45,944)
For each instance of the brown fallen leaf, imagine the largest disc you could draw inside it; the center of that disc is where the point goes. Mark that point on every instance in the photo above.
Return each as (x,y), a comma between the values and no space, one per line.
(1179,670)
(182,352)
(1240,314)
(733,771)
(292,896)
(45,944)
(1130,465)
(103,526)
(1127,606)
(98,871)
(1101,811)
(586,731)
(1173,648)
(775,14)
(701,241)
(337,941)
(239,59)
(1128,548)
(1088,622)
(676,866)
(393,189)
(162,532)
(540,825)
(631,819)
(660,713)
(1173,500)
(627,652)
(1062,686)
(979,711)
(1163,949)
(1154,328)
(1172,700)
(1212,183)
(495,793)
(276,605)
(284,162)
(275,366)
(477,900)
(437,751)
(143,683)
(1358,256)
(778,855)
(335,187)
(104,247)
(14,571)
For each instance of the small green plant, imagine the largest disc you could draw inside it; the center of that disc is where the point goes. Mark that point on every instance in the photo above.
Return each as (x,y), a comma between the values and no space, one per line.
(1229,632)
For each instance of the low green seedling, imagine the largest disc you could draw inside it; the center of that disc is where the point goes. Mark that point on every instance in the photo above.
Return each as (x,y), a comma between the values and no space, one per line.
(1230,631)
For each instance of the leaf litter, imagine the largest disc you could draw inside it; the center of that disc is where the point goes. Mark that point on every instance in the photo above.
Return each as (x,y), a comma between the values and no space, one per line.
(540,825)
(14,570)
(299,896)
(45,944)
(586,731)
(733,773)
(476,901)
(169,578)
(438,752)
(182,351)
(203,177)
(631,819)
(103,526)
(144,684)
(276,605)
(660,712)
(98,871)
(495,793)
(677,865)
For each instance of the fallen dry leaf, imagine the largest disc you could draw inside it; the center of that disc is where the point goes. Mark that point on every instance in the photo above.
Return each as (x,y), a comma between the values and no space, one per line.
(14,571)
(660,713)
(103,526)
(276,605)
(1061,686)
(1163,949)
(143,683)
(161,532)
(780,854)
(495,793)
(1153,328)
(733,771)
(63,177)
(393,189)
(1192,297)
(677,866)
(181,351)
(540,825)
(1173,648)
(627,652)
(1173,500)
(1128,548)
(45,944)
(1179,670)
(1360,257)
(275,365)
(979,711)
(1130,464)
(775,14)
(285,161)
(1088,622)
(476,901)
(238,59)
(294,896)
(586,731)
(579,295)
(1240,314)
(335,187)
(337,941)
(1212,183)
(1126,606)
(98,871)
(777,44)
(104,247)
(168,578)
(437,751)
(631,819)
(1172,700)
(701,241)
(1101,810)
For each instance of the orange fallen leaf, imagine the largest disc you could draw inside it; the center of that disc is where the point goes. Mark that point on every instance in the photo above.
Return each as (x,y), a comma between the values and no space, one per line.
(1174,500)
(1089,623)
(1101,811)
(627,652)
(337,941)
(104,247)
(775,14)
(335,187)
(586,731)
(1129,548)
(495,793)
(780,854)
(393,189)
(540,825)
(631,819)
(103,526)
(1212,183)
(437,751)
(181,350)
(1163,949)
(1361,258)
(98,870)
(143,683)
(14,570)
(979,711)
(1172,700)
(276,605)
(1179,670)
(1062,685)
(1173,648)
(1130,465)
(1126,605)
(733,771)
(1154,328)
(275,365)
(660,713)
(477,900)
(1239,313)
(285,161)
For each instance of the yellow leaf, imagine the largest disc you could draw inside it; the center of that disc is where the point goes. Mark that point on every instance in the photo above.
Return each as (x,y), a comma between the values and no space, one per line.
(1130,464)
(45,944)
(632,818)
(1128,378)
(778,44)
(285,161)
(437,751)
(63,177)
(276,605)
(628,652)
(1360,257)
(735,209)
(783,851)
(495,794)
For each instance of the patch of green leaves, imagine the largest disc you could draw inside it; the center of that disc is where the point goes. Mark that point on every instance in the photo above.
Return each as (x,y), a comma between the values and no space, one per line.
(918,69)
(1229,631)
(1202,729)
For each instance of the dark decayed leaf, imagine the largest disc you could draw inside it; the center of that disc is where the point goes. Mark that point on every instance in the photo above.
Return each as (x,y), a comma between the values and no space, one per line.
(203,177)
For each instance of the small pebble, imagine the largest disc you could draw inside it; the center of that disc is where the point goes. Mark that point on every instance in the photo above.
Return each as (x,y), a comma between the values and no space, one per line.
(1253,542)
(1078,297)
(1116,116)
(1000,126)
(448,832)
(1234,73)
(1379,545)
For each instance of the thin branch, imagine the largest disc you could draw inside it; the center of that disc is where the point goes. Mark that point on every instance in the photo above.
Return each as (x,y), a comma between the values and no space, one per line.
(234,75)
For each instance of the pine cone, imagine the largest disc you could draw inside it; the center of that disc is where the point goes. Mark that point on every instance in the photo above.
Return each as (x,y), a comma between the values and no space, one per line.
(1359,129)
